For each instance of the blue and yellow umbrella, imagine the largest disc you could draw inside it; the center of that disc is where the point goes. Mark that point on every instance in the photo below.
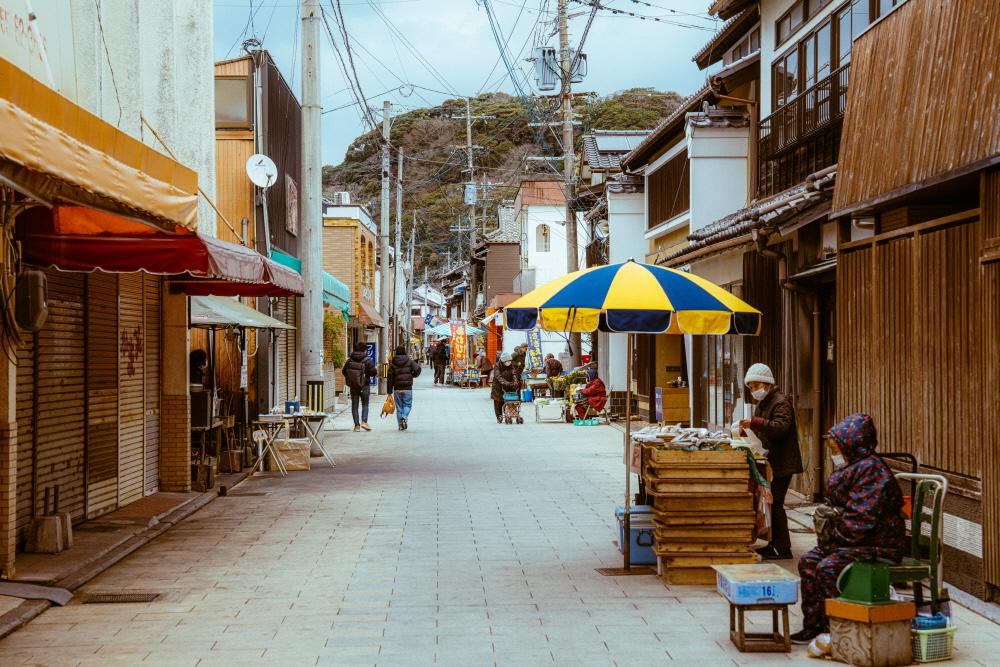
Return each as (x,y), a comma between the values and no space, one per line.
(633,298)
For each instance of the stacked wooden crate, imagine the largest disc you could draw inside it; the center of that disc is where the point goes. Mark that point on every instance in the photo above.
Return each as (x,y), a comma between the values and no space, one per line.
(703,510)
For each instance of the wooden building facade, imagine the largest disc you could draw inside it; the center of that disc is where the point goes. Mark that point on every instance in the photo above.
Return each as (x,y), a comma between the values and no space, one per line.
(918,331)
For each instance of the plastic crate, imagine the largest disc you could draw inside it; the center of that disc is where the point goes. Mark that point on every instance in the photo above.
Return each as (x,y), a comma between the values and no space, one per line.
(932,645)
(935,622)
(586,422)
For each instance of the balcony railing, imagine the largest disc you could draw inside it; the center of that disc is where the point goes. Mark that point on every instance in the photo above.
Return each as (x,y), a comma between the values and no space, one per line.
(803,136)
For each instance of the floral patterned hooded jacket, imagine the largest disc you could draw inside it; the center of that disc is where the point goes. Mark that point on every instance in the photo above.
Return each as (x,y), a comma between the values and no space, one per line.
(866,489)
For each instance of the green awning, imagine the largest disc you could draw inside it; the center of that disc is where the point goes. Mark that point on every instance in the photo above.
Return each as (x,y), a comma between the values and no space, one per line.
(335,293)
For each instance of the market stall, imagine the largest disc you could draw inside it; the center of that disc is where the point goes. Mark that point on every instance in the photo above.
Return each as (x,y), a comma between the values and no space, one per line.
(632,298)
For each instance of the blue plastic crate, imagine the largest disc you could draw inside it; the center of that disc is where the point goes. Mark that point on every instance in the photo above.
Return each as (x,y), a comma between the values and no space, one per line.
(643,534)
(764,583)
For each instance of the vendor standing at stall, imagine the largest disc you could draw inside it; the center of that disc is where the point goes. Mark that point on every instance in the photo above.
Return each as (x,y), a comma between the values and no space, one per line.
(774,423)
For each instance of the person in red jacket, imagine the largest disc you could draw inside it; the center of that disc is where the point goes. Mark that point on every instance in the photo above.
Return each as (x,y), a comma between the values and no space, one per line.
(596,393)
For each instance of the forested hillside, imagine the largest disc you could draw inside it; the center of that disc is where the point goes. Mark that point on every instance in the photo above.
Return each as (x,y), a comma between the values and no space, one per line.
(435,164)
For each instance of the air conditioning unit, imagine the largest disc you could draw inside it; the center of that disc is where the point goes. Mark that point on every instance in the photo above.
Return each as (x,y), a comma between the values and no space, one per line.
(341,198)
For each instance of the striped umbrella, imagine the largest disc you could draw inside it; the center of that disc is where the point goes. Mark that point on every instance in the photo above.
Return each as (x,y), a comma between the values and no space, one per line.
(633,298)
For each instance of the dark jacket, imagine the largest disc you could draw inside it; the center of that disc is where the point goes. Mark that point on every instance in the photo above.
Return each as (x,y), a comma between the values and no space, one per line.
(483,363)
(517,360)
(358,369)
(867,490)
(441,356)
(504,381)
(402,370)
(553,368)
(774,424)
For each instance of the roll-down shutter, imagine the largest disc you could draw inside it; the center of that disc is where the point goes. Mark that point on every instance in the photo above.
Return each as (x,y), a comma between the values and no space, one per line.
(59,385)
(102,393)
(25,431)
(152,370)
(132,389)
(288,362)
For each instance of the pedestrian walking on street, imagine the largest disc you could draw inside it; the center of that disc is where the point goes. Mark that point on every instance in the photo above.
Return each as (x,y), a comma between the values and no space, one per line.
(484,365)
(504,382)
(441,359)
(774,424)
(402,371)
(357,371)
(870,528)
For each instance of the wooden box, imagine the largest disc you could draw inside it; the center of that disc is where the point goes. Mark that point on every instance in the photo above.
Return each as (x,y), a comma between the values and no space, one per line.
(666,471)
(709,458)
(694,487)
(710,502)
(733,518)
(870,644)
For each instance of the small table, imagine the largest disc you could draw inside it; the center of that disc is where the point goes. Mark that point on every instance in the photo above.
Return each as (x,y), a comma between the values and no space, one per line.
(758,587)
(759,642)
(313,426)
(560,418)
(272,428)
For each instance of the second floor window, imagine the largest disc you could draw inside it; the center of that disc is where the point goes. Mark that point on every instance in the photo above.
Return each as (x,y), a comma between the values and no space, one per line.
(542,240)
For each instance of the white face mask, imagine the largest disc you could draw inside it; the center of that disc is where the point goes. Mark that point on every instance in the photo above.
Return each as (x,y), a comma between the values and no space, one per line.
(759,394)
(838,461)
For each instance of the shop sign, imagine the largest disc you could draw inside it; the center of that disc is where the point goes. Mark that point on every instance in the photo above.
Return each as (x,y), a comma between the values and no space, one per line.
(534,359)
(459,350)
(371,350)
(291,206)
(22,41)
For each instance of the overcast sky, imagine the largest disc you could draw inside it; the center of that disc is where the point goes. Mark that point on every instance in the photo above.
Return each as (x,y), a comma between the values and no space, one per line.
(454,39)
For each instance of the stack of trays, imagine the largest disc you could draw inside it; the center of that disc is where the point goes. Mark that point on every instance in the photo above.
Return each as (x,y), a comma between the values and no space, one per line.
(703,512)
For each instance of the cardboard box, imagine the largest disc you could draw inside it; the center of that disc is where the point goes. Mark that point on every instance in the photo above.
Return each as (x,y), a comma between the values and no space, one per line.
(294,454)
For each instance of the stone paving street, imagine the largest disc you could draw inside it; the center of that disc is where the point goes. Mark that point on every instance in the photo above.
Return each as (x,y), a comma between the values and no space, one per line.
(459,542)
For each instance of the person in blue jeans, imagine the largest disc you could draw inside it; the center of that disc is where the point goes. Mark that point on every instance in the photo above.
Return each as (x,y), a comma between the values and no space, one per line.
(357,371)
(402,371)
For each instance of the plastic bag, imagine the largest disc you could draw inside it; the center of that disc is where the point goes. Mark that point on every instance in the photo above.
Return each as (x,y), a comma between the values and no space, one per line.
(389,407)
(763,500)
(820,646)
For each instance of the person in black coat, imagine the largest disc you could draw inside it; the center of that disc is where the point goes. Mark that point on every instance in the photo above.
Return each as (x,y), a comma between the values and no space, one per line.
(440,360)
(357,371)
(505,381)
(402,371)
(774,423)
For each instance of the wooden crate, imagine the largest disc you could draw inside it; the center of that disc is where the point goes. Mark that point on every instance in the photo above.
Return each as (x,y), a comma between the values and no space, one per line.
(710,502)
(665,471)
(703,547)
(740,534)
(707,560)
(681,457)
(740,518)
(694,487)
(688,576)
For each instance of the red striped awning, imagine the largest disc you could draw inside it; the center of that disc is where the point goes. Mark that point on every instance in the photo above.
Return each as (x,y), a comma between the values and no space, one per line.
(203,265)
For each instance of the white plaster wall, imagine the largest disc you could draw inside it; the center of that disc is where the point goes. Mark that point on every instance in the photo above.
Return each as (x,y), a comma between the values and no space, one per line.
(627,223)
(552,264)
(721,269)
(719,172)
(152,59)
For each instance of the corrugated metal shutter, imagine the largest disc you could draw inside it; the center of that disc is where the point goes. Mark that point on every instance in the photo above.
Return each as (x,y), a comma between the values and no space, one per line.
(152,362)
(25,432)
(288,362)
(102,393)
(131,396)
(60,387)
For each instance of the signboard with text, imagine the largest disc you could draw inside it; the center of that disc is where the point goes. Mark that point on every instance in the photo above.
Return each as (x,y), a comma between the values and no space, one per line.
(22,41)
(534,357)
(459,347)
(371,350)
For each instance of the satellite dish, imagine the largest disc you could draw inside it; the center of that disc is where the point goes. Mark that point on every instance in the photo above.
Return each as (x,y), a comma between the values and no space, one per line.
(261,170)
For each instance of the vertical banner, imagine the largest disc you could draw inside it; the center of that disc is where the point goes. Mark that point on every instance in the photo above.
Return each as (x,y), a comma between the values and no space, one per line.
(371,350)
(534,356)
(459,348)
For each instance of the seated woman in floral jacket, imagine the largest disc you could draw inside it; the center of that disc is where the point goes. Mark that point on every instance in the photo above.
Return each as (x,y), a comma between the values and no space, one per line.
(871,527)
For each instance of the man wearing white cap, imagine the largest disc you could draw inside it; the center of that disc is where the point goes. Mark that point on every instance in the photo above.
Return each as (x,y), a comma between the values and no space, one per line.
(774,423)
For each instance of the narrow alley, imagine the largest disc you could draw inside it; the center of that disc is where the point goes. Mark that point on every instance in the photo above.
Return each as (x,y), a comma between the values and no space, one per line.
(459,541)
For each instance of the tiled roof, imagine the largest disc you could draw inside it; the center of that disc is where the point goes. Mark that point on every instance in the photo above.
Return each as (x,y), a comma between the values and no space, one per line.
(728,35)
(604,148)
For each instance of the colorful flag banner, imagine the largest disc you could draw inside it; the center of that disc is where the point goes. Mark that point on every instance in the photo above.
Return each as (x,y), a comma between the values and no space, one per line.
(534,359)
(459,349)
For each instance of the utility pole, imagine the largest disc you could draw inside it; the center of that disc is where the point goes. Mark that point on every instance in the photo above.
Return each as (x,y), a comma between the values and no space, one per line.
(383,336)
(311,319)
(569,158)
(396,263)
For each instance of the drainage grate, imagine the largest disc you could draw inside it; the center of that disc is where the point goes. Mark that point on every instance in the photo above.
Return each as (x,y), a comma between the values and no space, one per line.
(121,598)
(84,528)
(246,494)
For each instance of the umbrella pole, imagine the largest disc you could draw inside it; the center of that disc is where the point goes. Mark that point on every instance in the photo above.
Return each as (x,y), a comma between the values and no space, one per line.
(626,522)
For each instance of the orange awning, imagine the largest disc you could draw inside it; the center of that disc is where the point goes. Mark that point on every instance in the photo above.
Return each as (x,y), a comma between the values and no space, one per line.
(86,159)
(368,316)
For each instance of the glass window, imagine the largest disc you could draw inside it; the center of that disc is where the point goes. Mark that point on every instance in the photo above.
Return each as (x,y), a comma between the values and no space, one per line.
(844,37)
(885,6)
(859,17)
(755,41)
(784,29)
(809,61)
(542,240)
(823,52)
(232,103)
(786,79)
(797,14)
